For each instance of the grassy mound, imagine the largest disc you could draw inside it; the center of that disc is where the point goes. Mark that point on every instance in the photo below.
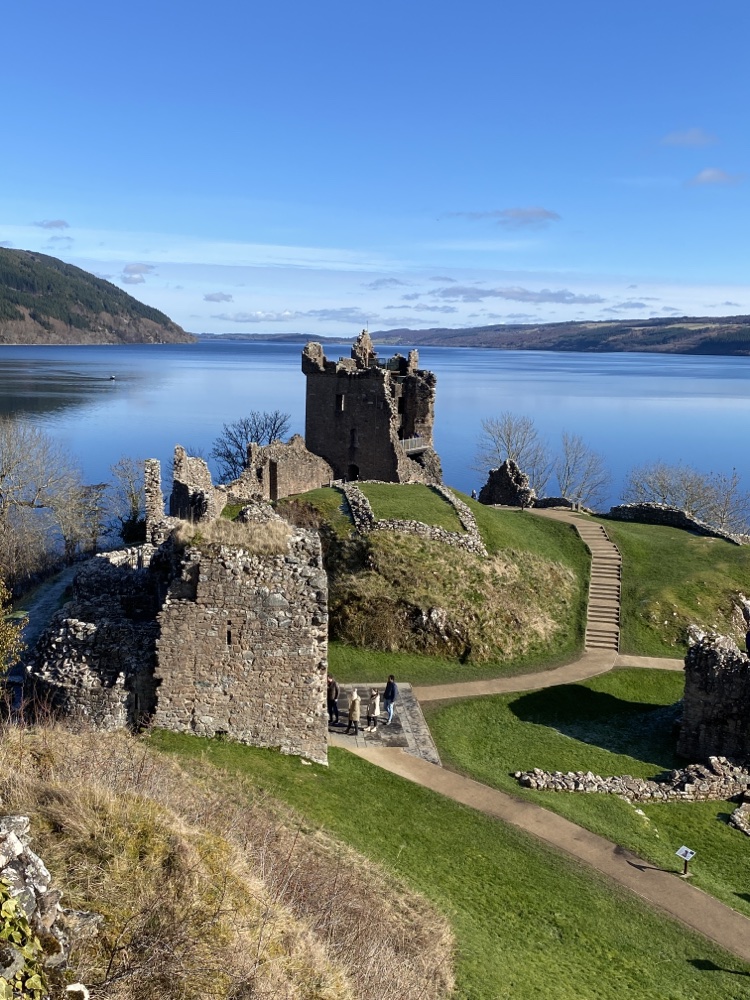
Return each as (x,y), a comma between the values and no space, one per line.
(528,922)
(619,723)
(672,579)
(435,613)
(204,892)
(411,502)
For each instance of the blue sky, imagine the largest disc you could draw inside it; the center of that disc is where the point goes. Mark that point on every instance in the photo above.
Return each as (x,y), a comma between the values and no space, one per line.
(315,167)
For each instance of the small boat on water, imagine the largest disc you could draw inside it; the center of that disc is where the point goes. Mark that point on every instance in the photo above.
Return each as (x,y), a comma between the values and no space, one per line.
(111,378)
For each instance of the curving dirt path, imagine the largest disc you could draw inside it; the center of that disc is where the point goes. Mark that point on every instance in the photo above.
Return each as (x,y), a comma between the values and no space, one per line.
(662,889)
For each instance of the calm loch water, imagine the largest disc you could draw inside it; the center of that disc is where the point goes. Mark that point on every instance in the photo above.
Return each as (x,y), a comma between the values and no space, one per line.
(634,408)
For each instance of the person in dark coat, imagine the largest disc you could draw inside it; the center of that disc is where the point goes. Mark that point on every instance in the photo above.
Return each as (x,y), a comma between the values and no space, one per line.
(389,696)
(332,696)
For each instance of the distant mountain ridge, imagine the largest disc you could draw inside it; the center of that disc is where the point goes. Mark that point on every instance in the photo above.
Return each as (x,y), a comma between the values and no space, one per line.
(45,301)
(728,335)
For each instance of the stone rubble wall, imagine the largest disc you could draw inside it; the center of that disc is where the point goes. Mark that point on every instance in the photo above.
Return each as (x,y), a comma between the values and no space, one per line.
(30,884)
(740,818)
(507,487)
(245,653)
(673,517)
(365,521)
(717,781)
(716,704)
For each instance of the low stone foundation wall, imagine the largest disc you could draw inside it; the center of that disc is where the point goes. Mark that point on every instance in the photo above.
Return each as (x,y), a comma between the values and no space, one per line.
(719,780)
(365,521)
(672,517)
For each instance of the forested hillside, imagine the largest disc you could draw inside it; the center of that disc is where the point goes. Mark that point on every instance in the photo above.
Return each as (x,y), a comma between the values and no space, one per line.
(45,301)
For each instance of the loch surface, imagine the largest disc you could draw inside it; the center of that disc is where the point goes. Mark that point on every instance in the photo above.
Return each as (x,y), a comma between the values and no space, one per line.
(634,408)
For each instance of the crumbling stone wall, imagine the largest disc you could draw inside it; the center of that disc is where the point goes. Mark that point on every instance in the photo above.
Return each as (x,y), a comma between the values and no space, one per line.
(359,411)
(242,647)
(673,517)
(507,486)
(716,706)
(279,470)
(157,527)
(211,640)
(96,658)
(194,496)
(365,521)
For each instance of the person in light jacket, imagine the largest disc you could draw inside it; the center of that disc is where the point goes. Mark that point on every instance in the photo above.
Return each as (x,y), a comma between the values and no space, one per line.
(355,712)
(373,710)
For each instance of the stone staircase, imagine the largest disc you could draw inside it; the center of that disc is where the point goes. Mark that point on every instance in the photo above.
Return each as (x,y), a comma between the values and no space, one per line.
(603,621)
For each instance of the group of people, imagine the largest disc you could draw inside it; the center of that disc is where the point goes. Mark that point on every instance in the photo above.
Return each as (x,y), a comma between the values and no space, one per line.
(355,706)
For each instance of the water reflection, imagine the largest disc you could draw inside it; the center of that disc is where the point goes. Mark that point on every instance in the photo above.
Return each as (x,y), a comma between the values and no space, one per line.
(634,408)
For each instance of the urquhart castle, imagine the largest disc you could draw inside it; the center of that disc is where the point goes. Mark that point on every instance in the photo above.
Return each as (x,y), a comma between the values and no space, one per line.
(197,633)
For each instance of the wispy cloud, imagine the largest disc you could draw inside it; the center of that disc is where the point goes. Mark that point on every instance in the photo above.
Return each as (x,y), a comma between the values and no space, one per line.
(422,308)
(714,175)
(410,296)
(380,283)
(443,279)
(59,243)
(563,296)
(217,297)
(5,243)
(343,314)
(514,218)
(135,274)
(629,306)
(690,137)
(53,224)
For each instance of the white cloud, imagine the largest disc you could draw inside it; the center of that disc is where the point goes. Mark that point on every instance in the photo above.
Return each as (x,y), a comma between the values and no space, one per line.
(514,218)
(563,296)
(53,224)
(217,297)
(714,175)
(690,137)
(138,269)
(379,283)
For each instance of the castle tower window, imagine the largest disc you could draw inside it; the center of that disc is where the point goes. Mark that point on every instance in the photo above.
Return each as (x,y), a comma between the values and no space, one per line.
(339,402)
(229,633)
(353,438)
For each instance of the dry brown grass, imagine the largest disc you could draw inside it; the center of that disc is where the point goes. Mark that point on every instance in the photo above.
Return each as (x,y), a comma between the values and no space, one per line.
(500,607)
(203,897)
(269,538)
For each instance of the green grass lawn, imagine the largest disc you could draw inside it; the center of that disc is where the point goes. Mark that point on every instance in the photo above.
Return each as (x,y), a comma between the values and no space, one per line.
(671,579)
(528,922)
(411,502)
(619,723)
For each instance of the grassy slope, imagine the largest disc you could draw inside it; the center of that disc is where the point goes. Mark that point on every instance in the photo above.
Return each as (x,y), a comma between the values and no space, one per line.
(510,533)
(528,922)
(619,723)
(672,579)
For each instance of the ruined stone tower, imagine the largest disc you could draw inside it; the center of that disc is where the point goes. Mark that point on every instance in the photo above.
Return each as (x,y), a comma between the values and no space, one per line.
(371,419)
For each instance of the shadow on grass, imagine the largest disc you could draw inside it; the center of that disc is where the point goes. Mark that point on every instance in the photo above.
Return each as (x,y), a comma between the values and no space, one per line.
(706,965)
(636,729)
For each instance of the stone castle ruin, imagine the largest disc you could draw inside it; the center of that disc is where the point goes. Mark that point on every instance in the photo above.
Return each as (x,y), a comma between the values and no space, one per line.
(371,419)
(203,633)
(205,637)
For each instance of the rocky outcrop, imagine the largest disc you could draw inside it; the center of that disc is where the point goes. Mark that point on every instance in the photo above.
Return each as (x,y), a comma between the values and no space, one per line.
(39,931)
(507,487)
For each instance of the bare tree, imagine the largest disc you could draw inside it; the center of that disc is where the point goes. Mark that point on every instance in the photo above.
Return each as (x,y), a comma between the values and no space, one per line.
(40,498)
(513,436)
(581,473)
(127,501)
(229,450)
(713,497)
